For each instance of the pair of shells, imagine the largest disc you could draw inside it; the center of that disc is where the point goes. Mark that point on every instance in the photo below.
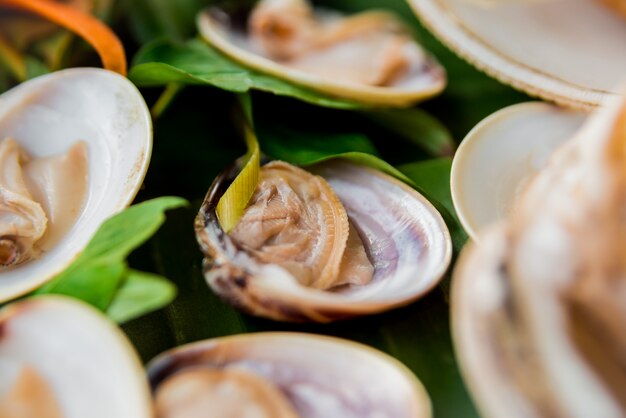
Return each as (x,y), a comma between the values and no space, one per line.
(47,116)
(539,302)
(77,364)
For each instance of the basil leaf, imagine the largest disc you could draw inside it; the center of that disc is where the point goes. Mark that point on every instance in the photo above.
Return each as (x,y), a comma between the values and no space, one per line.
(140,293)
(99,276)
(195,62)
(417,127)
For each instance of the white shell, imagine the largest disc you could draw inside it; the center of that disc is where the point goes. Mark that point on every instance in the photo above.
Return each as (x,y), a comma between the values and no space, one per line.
(49,114)
(421,85)
(407,239)
(86,360)
(498,157)
(321,376)
(568,51)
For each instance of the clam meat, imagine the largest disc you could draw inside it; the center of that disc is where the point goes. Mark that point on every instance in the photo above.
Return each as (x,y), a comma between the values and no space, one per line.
(333,241)
(38,198)
(283,375)
(370,57)
(74,148)
(539,305)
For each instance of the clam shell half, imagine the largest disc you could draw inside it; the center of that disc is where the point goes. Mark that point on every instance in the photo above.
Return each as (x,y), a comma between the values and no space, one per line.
(539,47)
(500,155)
(87,362)
(226,33)
(406,238)
(46,116)
(319,376)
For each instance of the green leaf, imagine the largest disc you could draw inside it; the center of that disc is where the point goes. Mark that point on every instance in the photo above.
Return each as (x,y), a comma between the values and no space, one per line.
(100,273)
(140,293)
(417,127)
(195,62)
(124,232)
(302,148)
(95,283)
(233,202)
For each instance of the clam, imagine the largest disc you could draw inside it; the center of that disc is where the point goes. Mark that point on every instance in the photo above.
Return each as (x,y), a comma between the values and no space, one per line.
(339,241)
(74,147)
(370,57)
(500,155)
(60,358)
(528,44)
(540,303)
(284,375)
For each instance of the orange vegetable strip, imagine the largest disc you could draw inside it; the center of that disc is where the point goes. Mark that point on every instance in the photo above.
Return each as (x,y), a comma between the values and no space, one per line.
(96,33)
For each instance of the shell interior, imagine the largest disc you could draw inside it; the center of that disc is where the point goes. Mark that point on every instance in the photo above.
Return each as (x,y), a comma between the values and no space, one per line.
(228,33)
(405,237)
(528,44)
(48,115)
(500,155)
(320,376)
(86,361)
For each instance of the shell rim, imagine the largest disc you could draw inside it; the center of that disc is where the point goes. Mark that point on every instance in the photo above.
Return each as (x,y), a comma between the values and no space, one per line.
(418,389)
(474,135)
(55,301)
(339,305)
(368,95)
(132,190)
(449,29)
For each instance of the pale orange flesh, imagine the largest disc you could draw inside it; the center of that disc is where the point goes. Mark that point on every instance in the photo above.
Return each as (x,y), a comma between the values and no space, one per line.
(371,48)
(40,199)
(225,393)
(30,397)
(296,221)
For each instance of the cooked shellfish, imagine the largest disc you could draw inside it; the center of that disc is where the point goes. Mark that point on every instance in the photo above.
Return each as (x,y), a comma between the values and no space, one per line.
(539,304)
(284,375)
(301,256)
(369,58)
(60,358)
(46,117)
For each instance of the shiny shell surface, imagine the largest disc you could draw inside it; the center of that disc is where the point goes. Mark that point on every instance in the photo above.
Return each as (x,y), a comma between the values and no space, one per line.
(49,114)
(528,44)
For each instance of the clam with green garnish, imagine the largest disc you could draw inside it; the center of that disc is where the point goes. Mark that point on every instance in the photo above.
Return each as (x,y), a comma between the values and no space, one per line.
(334,241)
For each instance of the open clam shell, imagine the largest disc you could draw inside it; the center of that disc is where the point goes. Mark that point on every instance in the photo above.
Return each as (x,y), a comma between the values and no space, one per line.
(228,33)
(500,155)
(319,376)
(538,304)
(405,237)
(528,44)
(49,114)
(79,358)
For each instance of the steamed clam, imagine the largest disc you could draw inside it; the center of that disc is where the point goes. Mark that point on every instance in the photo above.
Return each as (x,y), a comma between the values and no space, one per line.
(339,241)
(370,57)
(539,305)
(500,155)
(60,358)
(284,375)
(74,148)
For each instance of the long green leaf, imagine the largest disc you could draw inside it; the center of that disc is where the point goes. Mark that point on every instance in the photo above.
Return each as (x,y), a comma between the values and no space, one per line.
(140,293)
(195,62)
